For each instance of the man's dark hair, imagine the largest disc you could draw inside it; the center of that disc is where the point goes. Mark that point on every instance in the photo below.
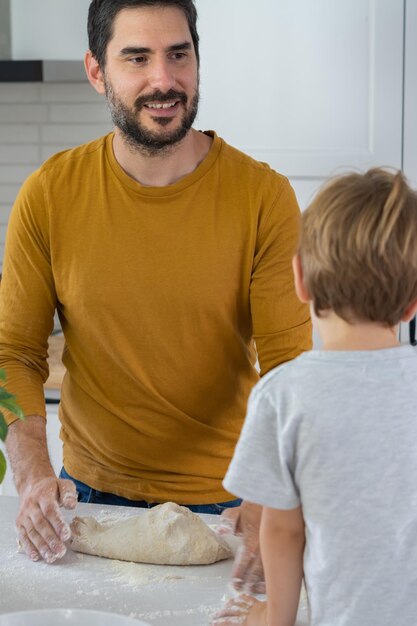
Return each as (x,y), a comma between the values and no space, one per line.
(102,13)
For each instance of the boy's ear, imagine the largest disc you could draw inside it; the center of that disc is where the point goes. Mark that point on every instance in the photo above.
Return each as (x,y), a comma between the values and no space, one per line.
(300,288)
(410,311)
(94,73)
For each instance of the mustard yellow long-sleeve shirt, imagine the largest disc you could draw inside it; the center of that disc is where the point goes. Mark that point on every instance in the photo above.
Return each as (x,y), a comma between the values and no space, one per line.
(160,292)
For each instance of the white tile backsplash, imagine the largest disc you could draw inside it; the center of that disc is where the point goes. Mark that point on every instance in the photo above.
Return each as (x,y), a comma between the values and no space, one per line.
(19,133)
(14,173)
(21,113)
(36,121)
(65,113)
(24,93)
(19,154)
(69,92)
(5,212)
(8,193)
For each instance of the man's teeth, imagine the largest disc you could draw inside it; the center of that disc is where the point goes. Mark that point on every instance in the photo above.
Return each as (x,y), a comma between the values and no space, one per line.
(168,105)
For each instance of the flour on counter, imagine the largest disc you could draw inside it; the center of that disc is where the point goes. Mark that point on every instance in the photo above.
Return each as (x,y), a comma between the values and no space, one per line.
(139,574)
(200,610)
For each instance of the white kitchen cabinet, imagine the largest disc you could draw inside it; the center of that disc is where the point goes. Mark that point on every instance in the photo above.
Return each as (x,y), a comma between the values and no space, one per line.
(310,87)
(410,107)
(410,93)
(49,29)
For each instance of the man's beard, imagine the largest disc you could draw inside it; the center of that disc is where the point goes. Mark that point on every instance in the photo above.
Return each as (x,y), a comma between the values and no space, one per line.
(136,134)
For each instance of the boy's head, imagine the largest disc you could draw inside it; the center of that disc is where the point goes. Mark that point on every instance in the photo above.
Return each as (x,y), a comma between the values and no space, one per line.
(358,248)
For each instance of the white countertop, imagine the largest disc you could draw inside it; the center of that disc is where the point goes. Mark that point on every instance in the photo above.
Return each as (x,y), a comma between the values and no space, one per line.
(160,595)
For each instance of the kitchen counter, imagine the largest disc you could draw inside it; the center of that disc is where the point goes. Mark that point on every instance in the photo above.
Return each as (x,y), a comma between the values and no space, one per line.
(56,368)
(160,595)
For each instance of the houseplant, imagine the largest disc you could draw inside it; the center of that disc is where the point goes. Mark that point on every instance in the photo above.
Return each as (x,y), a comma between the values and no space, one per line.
(7,401)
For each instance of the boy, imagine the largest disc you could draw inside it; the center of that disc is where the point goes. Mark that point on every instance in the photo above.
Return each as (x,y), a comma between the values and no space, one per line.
(329,443)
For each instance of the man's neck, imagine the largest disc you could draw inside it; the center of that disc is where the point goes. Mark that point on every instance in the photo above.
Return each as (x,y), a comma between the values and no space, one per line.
(337,334)
(168,167)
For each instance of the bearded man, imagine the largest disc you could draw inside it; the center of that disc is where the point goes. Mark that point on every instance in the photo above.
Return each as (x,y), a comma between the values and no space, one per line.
(167,254)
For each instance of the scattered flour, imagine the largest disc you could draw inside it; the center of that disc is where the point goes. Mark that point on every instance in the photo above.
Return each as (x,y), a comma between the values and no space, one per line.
(139,574)
(108,517)
(200,610)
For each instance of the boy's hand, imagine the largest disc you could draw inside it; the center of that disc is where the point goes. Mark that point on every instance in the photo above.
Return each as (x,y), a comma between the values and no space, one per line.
(244,521)
(243,610)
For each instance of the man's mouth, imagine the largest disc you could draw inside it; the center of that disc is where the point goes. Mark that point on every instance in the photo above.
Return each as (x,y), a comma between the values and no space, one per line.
(165,105)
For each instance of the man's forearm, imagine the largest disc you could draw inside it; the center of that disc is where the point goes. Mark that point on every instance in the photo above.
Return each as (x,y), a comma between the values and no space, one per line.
(28,452)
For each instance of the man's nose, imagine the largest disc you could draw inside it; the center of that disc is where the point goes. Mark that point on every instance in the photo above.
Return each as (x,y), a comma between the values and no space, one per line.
(161,76)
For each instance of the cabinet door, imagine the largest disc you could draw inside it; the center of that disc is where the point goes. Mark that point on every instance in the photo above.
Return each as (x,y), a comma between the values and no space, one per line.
(410,93)
(307,86)
(410,110)
(49,29)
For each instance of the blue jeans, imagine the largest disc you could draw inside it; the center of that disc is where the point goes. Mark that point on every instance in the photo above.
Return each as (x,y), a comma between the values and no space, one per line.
(87,494)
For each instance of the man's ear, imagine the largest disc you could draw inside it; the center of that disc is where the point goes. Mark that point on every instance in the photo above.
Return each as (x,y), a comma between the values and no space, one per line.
(94,73)
(300,288)
(410,311)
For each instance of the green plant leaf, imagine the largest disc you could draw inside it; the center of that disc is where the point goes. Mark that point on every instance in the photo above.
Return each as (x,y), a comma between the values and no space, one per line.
(2,466)
(2,375)
(3,427)
(5,394)
(11,405)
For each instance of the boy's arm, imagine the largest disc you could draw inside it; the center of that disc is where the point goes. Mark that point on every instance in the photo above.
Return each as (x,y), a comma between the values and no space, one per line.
(282,541)
(282,547)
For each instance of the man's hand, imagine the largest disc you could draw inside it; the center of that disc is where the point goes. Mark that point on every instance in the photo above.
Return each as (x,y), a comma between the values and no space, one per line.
(244,521)
(40,524)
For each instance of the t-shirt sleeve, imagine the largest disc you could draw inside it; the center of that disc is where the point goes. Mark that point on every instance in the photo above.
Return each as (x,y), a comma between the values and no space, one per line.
(261,468)
(27,299)
(281,323)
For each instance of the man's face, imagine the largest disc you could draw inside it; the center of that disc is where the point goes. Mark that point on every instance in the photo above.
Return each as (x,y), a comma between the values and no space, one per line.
(151,77)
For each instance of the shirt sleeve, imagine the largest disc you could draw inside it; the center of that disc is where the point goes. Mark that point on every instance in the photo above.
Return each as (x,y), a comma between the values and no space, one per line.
(281,323)
(27,299)
(261,468)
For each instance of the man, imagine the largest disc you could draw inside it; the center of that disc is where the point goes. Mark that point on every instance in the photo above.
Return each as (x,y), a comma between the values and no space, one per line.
(166,253)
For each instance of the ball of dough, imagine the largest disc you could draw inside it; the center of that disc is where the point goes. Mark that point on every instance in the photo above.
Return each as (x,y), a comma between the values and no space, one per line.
(167,534)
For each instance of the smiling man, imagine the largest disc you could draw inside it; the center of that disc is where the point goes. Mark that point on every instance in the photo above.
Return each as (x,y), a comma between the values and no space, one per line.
(151,84)
(167,254)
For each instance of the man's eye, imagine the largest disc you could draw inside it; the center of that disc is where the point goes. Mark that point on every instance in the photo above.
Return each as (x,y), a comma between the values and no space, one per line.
(138,60)
(178,55)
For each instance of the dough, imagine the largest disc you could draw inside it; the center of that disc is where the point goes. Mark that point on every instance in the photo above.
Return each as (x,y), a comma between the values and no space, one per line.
(167,534)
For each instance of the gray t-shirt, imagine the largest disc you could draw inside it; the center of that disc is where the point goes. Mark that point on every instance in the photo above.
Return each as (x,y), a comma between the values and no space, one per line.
(336,432)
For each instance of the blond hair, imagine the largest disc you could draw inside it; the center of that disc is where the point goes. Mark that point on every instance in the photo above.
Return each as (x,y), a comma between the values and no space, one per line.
(358,247)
